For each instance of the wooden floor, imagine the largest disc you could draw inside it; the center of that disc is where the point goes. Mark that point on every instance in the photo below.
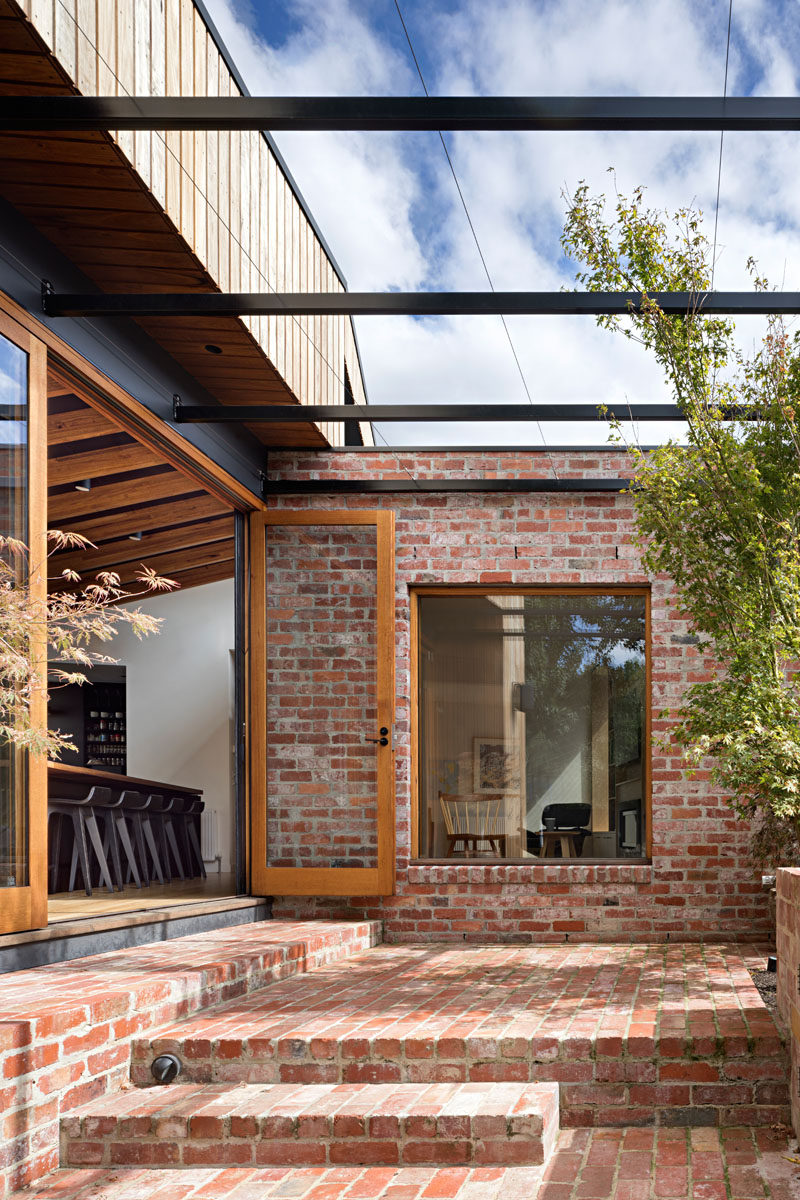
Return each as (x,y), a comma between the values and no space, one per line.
(71,906)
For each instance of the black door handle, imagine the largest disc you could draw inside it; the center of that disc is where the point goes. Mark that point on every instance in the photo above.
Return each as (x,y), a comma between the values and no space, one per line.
(383,740)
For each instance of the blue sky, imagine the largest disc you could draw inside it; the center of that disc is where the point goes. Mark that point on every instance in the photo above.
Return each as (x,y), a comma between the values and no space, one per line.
(389,210)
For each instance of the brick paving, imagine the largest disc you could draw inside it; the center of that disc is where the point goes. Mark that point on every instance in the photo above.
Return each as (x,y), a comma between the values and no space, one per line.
(66,1029)
(598,1164)
(633,1034)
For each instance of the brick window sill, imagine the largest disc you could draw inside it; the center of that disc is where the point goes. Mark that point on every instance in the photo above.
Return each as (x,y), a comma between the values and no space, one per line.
(488,873)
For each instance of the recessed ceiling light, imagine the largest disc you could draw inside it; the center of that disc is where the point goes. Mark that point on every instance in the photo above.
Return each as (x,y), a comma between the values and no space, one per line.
(135,537)
(85,485)
(212,349)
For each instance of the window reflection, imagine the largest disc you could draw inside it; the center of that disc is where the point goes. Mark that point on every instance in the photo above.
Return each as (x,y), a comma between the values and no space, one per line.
(13,523)
(532,716)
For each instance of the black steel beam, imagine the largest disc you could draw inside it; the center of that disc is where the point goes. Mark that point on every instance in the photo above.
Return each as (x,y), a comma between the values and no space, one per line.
(282,414)
(339,487)
(536,450)
(633,113)
(362,304)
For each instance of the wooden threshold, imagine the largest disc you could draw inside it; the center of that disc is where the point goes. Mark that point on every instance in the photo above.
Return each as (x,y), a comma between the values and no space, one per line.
(100,922)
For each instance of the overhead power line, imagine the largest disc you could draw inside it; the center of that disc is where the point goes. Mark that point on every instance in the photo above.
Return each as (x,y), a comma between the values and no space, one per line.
(721,141)
(473,232)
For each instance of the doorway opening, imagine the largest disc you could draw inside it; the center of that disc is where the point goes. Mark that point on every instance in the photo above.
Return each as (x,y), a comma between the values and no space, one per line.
(146,812)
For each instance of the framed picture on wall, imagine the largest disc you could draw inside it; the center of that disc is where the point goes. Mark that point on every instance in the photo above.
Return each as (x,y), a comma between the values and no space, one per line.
(495,765)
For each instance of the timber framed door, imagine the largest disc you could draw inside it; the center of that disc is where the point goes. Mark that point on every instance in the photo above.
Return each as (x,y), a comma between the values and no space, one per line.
(321,703)
(23,515)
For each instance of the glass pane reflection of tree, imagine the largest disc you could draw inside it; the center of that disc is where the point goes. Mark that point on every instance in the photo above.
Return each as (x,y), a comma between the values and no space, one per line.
(13,523)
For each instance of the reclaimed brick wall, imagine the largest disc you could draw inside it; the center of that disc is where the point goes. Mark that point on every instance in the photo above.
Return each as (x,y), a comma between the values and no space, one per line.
(700,884)
(321,775)
(66,1030)
(788,947)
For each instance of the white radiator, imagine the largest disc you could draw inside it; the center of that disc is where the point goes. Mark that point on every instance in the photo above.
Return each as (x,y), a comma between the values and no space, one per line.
(209,835)
(630,829)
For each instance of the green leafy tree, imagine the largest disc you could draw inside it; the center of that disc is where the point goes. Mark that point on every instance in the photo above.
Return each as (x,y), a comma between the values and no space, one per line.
(719,514)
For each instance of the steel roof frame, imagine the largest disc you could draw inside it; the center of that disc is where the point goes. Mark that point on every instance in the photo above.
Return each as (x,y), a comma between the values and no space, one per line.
(362,304)
(399,113)
(439,113)
(281,414)
(340,487)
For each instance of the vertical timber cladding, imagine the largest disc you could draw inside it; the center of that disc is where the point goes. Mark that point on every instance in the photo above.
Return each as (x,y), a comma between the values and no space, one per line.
(226,193)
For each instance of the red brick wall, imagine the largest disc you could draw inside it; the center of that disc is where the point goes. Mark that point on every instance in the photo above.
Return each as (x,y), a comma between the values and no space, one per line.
(321,775)
(700,884)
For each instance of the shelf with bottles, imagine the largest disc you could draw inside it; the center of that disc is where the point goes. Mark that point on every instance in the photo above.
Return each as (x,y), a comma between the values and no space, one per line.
(105,727)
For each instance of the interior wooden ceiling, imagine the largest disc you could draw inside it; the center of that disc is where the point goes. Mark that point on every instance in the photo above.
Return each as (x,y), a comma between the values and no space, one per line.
(186,534)
(80,191)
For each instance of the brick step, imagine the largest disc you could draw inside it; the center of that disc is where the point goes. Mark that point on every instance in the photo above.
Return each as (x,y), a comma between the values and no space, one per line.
(622,1082)
(186,1125)
(633,1035)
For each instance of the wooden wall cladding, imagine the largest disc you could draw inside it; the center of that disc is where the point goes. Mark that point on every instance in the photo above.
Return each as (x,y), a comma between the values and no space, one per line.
(152,211)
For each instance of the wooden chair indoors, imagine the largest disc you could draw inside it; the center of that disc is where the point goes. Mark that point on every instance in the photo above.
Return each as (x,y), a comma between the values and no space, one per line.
(471,820)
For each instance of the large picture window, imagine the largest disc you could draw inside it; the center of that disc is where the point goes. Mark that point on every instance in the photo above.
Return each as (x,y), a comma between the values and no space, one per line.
(532,725)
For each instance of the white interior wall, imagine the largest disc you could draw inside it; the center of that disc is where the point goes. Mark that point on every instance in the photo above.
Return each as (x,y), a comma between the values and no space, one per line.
(179,694)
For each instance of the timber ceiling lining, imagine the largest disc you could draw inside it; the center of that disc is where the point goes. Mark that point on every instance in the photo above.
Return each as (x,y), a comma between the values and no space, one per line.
(139,511)
(80,191)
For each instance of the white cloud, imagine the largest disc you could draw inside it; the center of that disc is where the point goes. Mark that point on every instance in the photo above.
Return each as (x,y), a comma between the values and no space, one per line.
(390,212)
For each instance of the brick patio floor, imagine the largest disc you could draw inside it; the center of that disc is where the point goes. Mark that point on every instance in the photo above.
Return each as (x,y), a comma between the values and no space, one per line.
(66,1029)
(628,1031)
(651,1046)
(589,1164)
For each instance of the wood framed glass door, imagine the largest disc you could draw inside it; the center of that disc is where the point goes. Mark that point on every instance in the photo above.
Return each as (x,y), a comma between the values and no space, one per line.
(321,703)
(23,515)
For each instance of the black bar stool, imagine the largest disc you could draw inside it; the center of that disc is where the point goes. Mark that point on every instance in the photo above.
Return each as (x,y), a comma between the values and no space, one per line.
(81,812)
(162,814)
(136,809)
(191,808)
(116,835)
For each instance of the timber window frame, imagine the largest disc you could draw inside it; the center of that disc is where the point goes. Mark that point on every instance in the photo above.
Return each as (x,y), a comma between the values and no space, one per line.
(416,594)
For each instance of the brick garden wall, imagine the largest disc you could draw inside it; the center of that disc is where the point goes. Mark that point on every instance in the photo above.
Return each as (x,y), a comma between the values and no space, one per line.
(700,884)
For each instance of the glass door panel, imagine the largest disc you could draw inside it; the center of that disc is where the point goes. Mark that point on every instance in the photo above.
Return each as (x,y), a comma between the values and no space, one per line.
(23,801)
(323,600)
(14,859)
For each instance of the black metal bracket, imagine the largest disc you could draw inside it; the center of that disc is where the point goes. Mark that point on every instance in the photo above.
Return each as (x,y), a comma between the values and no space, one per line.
(47,292)
(341,487)
(177,409)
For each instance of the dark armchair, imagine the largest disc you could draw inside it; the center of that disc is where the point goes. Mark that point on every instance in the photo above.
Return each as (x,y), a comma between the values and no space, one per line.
(572,818)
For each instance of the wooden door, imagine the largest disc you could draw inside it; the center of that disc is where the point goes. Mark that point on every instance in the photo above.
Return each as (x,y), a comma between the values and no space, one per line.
(321,703)
(23,515)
